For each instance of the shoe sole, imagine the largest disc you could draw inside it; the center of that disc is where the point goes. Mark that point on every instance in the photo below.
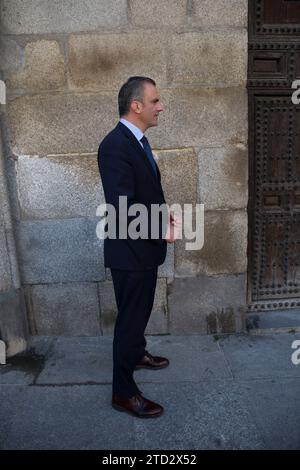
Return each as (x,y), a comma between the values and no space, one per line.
(151,368)
(119,408)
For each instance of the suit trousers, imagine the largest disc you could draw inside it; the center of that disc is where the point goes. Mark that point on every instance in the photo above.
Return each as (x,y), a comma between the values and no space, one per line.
(134,292)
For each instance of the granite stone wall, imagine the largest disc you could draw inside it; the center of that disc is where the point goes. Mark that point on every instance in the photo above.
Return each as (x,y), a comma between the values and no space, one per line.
(63,63)
(14,329)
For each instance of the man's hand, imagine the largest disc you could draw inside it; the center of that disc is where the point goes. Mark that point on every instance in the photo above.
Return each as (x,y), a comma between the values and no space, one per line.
(174,225)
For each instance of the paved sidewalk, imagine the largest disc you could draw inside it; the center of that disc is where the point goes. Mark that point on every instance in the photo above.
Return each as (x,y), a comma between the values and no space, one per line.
(231,392)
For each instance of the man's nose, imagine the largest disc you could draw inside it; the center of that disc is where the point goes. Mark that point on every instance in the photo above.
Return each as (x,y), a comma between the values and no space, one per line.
(160,108)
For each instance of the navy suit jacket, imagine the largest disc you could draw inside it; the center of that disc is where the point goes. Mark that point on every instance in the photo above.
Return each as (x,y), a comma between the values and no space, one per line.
(126,171)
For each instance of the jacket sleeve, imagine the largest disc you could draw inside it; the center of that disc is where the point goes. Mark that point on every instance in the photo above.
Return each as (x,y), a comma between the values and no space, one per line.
(118,179)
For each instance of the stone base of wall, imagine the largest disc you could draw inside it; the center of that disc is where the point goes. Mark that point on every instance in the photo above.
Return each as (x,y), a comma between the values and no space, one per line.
(13,324)
(207,304)
(202,304)
(274,320)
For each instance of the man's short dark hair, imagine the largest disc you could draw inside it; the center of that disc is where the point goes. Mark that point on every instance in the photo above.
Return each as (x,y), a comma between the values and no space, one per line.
(133,89)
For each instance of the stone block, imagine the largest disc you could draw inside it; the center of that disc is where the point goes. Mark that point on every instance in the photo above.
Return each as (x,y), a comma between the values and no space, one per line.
(5,274)
(60,123)
(13,321)
(264,356)
(108,306)
(279,429)
(224,250)
(158,13)
(226,320)
(208,415)
(105,61)
(274,319)
(210,58)
(43,68)
(60,251)
(81,360)
(41,345)
(66,309)
(202,117)
(167,268)
(59,186)
(158,323)
(42,16)
(220,13)
(8,180)
(192,358)
(11,55)
(207,304)
(187,248)
(179,175)
(223,177)
(66,417)
(108,274)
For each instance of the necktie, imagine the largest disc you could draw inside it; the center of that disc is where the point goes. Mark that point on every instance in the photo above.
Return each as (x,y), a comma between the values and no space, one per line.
(149,153)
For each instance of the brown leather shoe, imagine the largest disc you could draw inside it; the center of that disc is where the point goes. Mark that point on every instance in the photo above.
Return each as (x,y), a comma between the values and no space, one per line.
(152,362)
(137,406)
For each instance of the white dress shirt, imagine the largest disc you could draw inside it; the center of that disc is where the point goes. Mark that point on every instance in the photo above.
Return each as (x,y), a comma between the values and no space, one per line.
(138,134)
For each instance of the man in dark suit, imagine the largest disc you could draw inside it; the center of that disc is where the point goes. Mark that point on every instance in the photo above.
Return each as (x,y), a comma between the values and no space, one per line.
(127,168)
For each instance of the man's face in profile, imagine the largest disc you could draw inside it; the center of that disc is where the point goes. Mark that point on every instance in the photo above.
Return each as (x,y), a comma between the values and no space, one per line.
(151,106)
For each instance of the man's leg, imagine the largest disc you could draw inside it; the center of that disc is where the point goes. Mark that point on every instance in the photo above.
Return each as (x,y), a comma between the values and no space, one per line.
(134,291)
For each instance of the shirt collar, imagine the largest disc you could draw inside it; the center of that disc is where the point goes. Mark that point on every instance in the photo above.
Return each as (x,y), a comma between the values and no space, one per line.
(135,130)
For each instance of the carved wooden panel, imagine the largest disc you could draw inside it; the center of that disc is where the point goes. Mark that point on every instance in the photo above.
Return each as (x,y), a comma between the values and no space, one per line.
(274,151)
(275,17)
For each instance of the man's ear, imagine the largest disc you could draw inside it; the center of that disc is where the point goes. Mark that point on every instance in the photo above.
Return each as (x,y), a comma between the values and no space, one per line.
(136,106)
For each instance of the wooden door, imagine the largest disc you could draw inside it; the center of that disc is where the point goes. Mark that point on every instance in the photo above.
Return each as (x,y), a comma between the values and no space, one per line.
(274,155)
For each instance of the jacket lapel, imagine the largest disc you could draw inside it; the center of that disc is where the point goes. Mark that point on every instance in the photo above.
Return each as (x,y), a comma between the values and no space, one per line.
(139,149)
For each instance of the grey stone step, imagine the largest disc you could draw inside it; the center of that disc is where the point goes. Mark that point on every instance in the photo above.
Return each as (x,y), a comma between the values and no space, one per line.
(273,321)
